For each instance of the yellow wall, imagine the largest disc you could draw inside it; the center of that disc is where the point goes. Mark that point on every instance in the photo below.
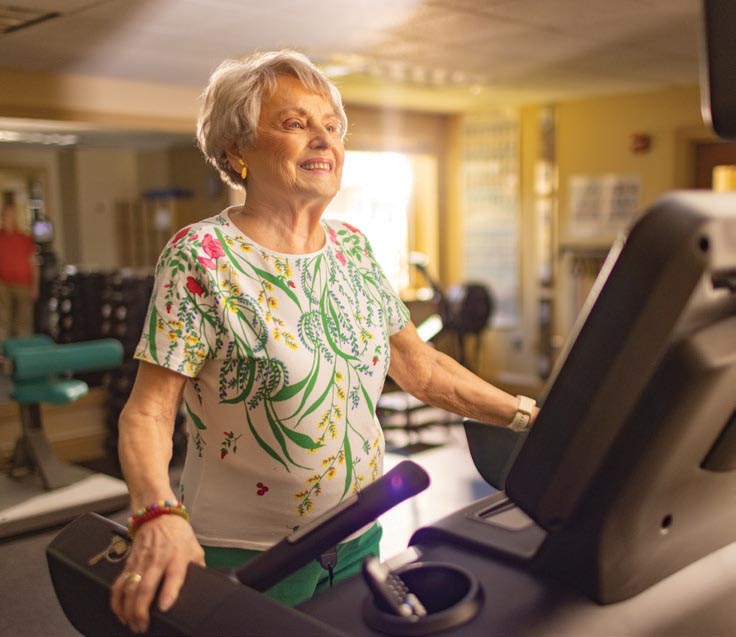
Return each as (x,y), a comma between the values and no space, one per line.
(594,135)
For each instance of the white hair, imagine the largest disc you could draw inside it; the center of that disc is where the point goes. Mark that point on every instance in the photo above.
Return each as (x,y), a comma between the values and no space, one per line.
(231,103)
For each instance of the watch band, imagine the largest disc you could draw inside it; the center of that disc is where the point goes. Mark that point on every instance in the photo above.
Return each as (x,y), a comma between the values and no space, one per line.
(523,418)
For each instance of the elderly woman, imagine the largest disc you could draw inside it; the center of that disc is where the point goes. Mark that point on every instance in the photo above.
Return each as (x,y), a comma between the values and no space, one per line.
(278,329)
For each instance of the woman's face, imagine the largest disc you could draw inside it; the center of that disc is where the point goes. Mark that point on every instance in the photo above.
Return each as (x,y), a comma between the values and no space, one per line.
(299,151)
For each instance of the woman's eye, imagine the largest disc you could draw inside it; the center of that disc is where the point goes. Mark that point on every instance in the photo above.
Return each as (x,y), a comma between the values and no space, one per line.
(294,123)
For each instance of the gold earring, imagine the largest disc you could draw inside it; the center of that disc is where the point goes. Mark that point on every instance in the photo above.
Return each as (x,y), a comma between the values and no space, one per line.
(244,169)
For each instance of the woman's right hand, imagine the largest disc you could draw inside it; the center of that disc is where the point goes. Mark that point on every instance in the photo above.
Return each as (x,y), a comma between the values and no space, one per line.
(162,550)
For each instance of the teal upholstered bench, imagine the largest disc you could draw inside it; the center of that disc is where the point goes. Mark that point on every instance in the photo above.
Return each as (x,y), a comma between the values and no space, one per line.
(40,372)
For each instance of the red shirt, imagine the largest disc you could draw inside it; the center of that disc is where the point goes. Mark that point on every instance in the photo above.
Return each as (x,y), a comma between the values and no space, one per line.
(16,250)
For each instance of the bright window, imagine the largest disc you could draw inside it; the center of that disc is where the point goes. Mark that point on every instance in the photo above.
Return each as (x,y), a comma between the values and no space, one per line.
(375,197)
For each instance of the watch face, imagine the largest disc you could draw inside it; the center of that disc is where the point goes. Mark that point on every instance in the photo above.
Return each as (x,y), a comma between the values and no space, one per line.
(526,405)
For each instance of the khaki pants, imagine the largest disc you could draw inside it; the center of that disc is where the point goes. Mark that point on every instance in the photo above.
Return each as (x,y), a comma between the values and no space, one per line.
(16,311)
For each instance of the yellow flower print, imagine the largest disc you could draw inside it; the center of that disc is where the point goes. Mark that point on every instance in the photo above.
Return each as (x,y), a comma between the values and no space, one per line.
(272,302)
(290,341)
(341,393)
(338,377)
(232,304)
(331,473)
(365,336)
(234,290)
(324,420)
(172,336)
(356,484)
(283,268)
(246,247)
(328,460)
(190,339)
(268,286)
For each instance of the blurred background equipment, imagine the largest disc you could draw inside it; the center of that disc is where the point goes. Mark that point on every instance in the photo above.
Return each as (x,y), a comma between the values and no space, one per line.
(41,489)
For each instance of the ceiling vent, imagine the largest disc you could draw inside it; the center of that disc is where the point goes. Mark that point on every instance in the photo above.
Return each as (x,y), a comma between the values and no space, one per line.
(17,18)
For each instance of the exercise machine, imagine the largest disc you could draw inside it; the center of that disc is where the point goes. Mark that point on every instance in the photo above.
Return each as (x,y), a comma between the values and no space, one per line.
(42,490)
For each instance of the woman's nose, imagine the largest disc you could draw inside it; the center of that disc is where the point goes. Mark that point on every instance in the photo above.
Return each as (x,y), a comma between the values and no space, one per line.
(321,137)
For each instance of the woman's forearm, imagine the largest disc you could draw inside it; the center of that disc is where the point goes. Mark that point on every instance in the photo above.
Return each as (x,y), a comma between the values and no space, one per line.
(439,380)
(146,429)
(450,386)
(145,450)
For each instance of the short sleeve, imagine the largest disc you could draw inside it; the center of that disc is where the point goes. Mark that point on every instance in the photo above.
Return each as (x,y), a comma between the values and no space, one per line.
(182,325)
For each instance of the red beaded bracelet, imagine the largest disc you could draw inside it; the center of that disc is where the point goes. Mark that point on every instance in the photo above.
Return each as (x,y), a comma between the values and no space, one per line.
(162,507)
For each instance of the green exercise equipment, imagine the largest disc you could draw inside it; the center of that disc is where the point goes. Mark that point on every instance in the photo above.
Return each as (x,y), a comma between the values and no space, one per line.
(42,490)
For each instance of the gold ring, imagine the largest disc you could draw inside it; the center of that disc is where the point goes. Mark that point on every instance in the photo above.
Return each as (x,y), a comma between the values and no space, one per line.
(130,576)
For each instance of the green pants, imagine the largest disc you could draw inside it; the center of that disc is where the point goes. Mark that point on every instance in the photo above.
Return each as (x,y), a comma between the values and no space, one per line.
(310,579)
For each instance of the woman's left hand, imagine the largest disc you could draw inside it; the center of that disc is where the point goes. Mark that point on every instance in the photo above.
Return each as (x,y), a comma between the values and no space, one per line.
(161,553)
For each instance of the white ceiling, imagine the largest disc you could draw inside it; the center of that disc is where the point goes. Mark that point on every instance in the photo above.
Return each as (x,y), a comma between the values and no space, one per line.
(515,49)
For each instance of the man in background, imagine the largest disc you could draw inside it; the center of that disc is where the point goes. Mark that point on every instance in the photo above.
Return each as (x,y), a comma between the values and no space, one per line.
(18,274)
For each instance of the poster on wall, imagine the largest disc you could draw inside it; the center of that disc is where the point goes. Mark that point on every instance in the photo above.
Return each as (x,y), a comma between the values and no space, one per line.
(602,206)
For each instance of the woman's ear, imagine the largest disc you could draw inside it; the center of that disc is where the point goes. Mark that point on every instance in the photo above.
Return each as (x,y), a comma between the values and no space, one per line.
(234,158)
(237,163)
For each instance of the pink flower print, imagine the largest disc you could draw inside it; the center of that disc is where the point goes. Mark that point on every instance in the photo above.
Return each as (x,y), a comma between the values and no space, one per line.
(194,286)
(375,360)
(352,228)
(333,234)
(341,258)
(212,247)
(207,263)
(180,235)
(292,285)
(168,308)
(262,488)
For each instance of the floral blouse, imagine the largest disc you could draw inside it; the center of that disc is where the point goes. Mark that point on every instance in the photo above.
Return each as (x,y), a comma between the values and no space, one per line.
(286,357)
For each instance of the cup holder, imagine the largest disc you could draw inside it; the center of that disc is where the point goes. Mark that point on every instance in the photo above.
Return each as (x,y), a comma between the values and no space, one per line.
(451,595)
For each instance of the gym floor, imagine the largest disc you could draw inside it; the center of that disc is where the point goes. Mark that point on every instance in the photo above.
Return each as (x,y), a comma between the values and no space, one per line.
(29,605)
